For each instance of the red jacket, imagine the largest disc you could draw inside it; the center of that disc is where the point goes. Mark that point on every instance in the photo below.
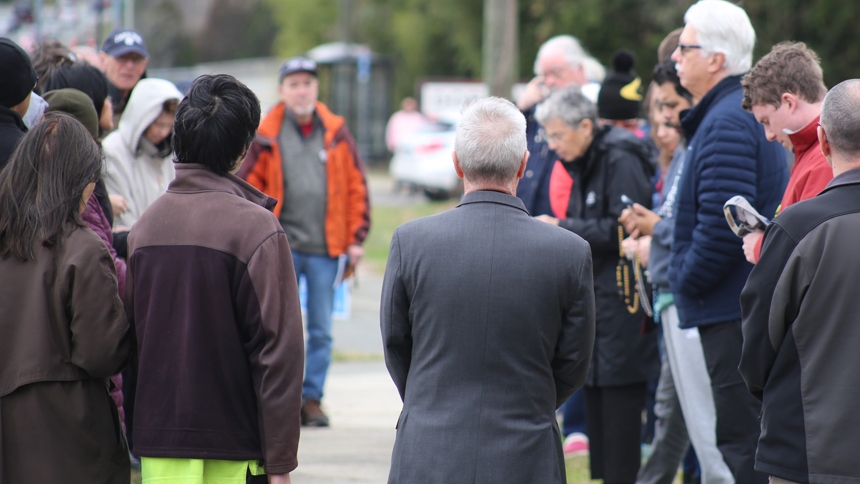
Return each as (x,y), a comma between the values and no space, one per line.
(810,173)
(347,218)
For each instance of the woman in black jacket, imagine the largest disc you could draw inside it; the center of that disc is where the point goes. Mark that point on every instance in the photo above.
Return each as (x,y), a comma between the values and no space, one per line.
(609,168)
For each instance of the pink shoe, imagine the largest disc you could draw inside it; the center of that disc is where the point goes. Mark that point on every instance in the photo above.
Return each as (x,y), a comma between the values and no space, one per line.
(575,444)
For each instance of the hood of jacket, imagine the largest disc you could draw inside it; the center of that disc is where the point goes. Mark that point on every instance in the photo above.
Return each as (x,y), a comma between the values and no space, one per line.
(143,108)
(608,137)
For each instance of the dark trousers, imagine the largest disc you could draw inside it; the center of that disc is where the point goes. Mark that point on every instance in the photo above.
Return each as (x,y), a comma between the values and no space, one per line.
(264,479)
(573,414)
(738,426)
(614,419)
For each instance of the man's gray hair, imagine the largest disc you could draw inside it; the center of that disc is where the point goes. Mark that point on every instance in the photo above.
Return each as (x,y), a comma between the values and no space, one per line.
(491,140)
(567,45)
(594,70)
(724,28)
(569,105)
(840,117)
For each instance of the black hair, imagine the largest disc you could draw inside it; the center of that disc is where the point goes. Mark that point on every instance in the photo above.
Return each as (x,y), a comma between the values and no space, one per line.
(215,123)
(43,183)
(80,76)
(665,72)
(48,56)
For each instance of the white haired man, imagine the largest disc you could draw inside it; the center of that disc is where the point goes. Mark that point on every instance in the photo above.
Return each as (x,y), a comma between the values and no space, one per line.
(487,320)
(727,155)
(561,62)
(800,308)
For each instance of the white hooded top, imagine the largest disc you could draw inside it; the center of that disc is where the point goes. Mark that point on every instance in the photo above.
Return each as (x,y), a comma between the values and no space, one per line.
(133,168)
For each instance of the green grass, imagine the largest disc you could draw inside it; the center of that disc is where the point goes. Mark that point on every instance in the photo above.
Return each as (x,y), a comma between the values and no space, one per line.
(577,470)
(354,356)
(387,218)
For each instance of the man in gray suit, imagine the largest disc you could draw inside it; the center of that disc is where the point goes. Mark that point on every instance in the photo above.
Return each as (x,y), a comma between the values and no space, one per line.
(487,322)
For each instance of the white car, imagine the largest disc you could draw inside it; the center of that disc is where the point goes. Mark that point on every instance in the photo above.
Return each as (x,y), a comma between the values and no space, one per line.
(422,161)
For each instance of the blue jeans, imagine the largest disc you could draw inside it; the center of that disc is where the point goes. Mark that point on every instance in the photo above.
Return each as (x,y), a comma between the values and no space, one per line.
(573,411)
(320,272)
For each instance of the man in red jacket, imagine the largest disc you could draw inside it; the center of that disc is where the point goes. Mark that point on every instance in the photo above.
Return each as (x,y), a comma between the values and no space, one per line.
(784,91)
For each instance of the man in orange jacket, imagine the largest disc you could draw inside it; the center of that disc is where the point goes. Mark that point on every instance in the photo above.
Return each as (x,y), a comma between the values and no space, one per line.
(305,157)
(784,91)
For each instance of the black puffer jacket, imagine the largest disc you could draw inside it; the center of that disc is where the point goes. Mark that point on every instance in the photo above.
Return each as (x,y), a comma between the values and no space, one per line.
(617,163)
(12,129)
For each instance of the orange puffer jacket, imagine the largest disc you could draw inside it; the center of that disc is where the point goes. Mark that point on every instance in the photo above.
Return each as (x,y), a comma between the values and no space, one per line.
(347,218)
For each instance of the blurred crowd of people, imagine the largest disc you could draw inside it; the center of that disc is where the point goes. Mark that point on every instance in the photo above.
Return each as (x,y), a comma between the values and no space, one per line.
(87,139)
(715,126)
(152,240)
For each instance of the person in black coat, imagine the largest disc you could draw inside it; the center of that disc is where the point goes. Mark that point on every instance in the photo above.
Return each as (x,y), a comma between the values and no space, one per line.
(16,86)
(606,165)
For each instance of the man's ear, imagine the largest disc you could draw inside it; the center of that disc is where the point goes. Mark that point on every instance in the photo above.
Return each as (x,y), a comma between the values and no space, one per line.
(457,165)
(790,100)
(522,171)
(716,62)
(826,149)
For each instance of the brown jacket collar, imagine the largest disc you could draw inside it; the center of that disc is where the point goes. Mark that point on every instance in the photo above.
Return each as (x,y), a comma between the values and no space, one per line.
(196,178)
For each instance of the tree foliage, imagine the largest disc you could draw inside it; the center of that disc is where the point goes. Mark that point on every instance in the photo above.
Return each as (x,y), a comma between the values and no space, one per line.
(442,38)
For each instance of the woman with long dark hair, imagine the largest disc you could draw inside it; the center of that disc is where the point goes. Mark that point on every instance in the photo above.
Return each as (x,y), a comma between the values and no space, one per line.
(63,330)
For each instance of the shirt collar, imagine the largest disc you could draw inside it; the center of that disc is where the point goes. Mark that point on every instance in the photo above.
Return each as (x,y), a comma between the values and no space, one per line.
(489,196)
(805,137)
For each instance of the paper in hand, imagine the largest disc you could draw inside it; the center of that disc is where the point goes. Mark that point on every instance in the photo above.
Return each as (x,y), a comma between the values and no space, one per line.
(743,219)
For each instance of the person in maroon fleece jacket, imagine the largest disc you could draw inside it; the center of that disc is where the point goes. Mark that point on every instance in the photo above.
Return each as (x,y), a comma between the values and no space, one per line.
(212,296)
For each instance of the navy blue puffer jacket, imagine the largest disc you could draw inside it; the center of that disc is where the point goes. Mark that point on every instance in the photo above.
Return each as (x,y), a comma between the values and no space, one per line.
(727,155)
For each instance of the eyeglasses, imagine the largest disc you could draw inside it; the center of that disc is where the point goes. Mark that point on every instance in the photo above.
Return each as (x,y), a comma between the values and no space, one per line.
(556,137)
(686,48)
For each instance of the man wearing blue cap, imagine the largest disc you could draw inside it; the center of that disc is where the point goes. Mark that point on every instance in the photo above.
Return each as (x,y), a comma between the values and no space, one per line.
(305,157)
(124,56)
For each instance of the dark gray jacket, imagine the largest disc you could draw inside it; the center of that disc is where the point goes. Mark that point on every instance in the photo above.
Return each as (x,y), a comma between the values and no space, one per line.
(488,324)
(801,346)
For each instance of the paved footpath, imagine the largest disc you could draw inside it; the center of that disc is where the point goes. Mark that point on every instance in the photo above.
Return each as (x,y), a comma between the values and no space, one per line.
(360,398)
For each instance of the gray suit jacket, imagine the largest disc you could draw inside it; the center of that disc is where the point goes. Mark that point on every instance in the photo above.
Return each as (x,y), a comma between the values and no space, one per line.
(488,326)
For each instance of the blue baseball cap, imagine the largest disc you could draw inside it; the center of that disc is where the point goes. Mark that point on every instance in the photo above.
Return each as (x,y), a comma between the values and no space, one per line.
(124,41)
(297,64)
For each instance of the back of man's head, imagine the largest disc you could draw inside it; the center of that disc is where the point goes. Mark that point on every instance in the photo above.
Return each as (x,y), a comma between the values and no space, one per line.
(565,45)
(490,141)
(791,67)
(725,28)
(216,123)
(840,119)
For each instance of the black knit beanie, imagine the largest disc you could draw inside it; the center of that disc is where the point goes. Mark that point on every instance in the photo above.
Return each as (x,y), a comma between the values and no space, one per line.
(84,78)
(19,78)
(619,95)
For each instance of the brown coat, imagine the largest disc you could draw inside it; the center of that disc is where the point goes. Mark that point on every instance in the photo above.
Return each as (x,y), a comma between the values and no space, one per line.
(63,332)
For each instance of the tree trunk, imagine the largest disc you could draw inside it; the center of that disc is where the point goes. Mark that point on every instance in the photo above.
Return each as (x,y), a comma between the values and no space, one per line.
(500,46)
